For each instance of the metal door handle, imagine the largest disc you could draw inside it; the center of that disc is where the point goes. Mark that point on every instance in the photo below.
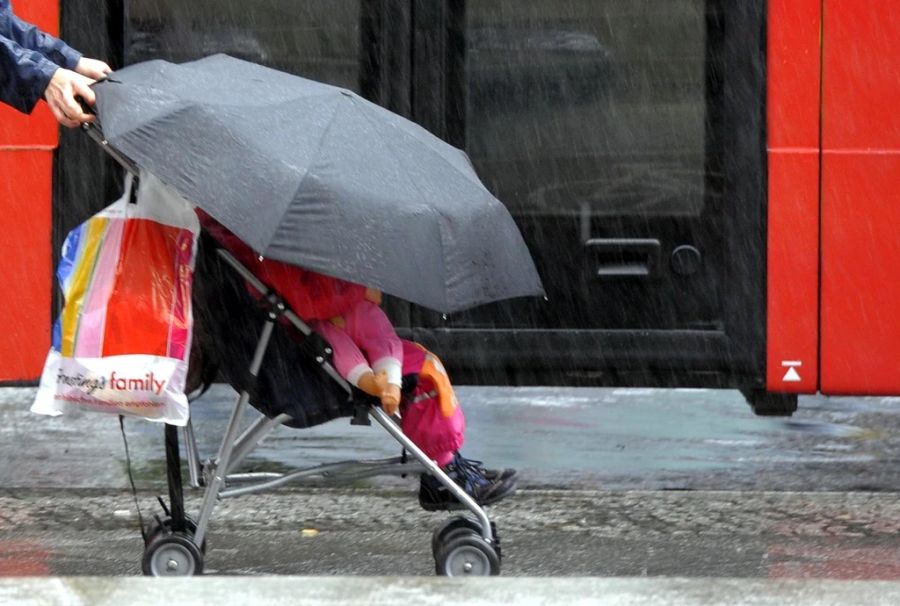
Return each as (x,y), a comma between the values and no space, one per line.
(625,257)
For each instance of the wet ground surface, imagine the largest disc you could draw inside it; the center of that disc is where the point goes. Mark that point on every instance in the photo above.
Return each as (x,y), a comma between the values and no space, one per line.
(615,482)
(611,439)
(377,532)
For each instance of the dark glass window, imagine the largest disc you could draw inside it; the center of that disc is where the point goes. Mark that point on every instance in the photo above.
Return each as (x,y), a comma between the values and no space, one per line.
(317,39)
(588,106)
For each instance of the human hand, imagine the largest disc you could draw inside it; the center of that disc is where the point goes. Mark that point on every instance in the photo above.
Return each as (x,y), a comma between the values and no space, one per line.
(92,68)
(60,94)
(374,295)
(390,399)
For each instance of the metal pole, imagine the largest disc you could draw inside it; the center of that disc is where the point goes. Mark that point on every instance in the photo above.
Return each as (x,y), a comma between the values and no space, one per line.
(220,466)
(173,476)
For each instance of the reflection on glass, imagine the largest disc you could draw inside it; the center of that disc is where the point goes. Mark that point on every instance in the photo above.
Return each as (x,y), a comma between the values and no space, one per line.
(317,39)
(593,106)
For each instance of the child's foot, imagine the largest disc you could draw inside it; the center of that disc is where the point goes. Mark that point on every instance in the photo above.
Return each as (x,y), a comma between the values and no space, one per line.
(484,486)
(507,473)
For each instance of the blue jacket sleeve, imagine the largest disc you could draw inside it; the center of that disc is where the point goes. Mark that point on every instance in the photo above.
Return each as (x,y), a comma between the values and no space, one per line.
(24,75)
(28,36)
(28,58)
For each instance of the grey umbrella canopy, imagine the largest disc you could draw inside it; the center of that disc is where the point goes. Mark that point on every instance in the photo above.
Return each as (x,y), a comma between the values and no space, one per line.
(316,176)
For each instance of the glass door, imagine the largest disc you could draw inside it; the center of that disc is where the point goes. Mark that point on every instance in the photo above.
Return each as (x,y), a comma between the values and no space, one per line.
(625,137)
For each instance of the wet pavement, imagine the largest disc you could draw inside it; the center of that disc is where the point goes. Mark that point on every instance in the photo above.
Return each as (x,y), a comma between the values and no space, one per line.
(378,532)
(684,483)
(610,439)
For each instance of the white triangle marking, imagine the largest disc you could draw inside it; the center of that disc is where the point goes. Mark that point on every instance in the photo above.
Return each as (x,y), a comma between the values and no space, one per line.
(791,375)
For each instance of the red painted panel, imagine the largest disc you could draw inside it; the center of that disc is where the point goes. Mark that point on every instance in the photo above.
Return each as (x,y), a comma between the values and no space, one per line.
(860,265)
(862,75)
(792,277)
(792,73)
(38,129)
(793,272)
(25,189)
(860,199)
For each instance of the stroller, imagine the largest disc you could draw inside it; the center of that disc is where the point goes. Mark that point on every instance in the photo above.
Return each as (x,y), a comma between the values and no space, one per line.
(268,379)
(467,251)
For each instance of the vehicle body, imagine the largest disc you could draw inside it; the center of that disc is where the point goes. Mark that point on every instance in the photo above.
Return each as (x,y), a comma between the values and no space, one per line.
(709,188)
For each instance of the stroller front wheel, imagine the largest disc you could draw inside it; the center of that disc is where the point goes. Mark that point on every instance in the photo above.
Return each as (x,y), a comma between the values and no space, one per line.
(172,555)
(452,528)
(467,555)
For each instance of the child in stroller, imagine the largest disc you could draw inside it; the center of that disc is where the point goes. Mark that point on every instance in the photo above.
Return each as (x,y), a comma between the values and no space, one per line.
(368,353)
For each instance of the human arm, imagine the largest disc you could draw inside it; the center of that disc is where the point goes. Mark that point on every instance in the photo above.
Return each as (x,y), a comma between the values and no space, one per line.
(34,64)
(24,75)
(28,36)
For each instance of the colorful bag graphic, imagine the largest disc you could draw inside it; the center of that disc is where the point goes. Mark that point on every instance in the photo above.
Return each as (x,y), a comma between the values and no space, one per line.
(122,342)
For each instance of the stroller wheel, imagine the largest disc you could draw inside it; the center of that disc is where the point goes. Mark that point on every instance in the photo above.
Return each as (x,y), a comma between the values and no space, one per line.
(456,526)
(459,526)
(163,527)
(468,555)
(173,555)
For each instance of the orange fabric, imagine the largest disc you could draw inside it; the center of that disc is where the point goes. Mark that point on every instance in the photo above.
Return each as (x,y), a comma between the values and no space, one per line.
(433,370)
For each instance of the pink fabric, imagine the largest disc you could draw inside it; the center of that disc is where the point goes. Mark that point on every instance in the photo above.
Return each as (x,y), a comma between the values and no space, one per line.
(422,421)
(366,338)
(438,436)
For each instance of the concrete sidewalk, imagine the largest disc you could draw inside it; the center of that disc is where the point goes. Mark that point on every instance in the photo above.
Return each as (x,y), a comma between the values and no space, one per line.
(375,591)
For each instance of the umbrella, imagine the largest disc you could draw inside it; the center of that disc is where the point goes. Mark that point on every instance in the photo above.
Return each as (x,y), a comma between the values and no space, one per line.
(316,176)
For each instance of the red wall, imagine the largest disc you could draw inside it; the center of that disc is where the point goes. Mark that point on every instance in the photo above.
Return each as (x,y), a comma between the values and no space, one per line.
(861,198)
(26,164)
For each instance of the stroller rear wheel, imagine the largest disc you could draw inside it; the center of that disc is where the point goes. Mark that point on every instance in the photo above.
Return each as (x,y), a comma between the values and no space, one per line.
(172,555)
(467,555)
(163,527)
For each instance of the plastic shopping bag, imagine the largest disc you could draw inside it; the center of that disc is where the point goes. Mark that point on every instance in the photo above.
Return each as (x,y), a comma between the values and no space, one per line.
(122,342)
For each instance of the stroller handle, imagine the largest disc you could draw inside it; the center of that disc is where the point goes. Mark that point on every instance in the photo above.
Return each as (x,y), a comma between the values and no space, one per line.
(96,133)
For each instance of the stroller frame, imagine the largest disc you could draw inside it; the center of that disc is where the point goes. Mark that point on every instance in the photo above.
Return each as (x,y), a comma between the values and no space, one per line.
(234,449)
(175,545)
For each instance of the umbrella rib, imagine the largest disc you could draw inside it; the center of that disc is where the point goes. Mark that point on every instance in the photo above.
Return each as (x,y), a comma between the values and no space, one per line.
(399,162)
(473,178)
(318,149)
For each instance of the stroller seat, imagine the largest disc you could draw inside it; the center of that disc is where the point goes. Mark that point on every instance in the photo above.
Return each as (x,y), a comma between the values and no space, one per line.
(286,374)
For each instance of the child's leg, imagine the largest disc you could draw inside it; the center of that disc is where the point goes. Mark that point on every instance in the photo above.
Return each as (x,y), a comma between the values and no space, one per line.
(369,327)
(348,359)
